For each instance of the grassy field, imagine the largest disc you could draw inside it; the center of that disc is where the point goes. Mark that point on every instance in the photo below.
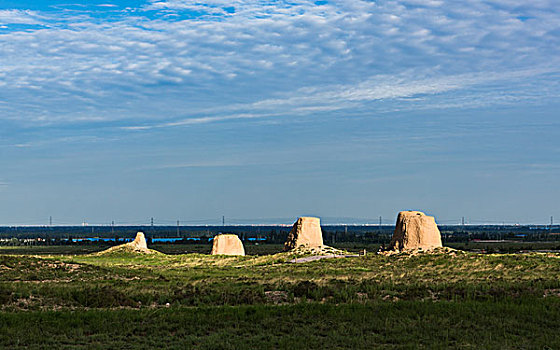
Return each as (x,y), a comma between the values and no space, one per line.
(265,249)
(250,249)
(412,325)
(124,300)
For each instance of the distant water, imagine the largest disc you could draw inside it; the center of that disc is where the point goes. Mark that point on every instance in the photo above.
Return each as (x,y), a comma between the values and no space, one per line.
(175,239)
(97,239)
(164,240)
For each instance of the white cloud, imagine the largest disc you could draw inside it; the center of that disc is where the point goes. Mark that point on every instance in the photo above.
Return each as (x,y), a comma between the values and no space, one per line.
(19,17)
(200,164)
(245,58)
(406,90)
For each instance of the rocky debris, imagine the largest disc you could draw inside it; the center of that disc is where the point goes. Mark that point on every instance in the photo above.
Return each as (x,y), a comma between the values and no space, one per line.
(551,293)
(276,296)
(306,232)
(319,257)
(306,254)
(227,245)
(415,231)
(323,250)
(362,297)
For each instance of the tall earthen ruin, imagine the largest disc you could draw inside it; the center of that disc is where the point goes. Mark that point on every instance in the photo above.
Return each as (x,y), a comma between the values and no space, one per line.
(227,244)
(415,230)
(306,233)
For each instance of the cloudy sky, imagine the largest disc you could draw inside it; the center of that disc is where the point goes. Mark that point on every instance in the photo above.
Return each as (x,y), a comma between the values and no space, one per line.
(266,110)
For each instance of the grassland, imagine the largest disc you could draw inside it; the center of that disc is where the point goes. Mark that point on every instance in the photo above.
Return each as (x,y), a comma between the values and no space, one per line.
(265,249)
(124,300)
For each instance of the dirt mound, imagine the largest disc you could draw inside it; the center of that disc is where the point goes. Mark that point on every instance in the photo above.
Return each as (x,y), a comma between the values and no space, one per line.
(306,232)
(137,246)
(415,230)
(227,245)
(415,252)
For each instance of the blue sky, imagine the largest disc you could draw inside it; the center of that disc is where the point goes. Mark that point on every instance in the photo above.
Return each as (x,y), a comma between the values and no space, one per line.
(266,110)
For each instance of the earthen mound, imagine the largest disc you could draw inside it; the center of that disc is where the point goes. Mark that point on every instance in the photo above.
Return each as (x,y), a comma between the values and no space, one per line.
(415,230)
(434,251)
(306,233)
(137,246)
(227,245)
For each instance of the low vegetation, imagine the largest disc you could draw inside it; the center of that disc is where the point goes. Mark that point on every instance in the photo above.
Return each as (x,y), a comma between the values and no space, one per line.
(410,325)
(455,300)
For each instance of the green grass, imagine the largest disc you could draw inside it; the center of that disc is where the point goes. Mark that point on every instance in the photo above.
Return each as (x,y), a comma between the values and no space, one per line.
(506,246)
(115,280)
(120,300)
(266,249)
(471,325)
(52,249)
(251,249)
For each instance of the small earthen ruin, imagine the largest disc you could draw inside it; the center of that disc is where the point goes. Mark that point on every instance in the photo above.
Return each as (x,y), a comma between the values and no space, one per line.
(227,245)
(305,233)
(139,242)
(415,230)
(137,246)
